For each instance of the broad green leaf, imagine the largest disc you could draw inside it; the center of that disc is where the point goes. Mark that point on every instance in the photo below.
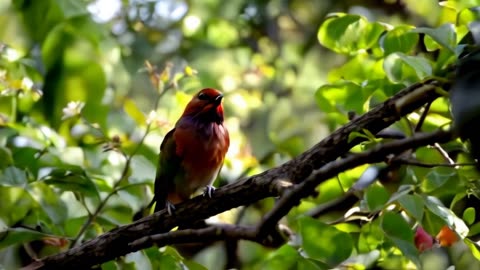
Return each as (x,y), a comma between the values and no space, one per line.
(138,260)
(349,34)
(72,178)
(5,158)
(310,264)
(26,158)
(468,15)
(447,215)
(474,247)
(72,8)
(341,95)
(322,242)
(192,265)
(436,178)
(132,110)
(469,215)
(376,197)
(406,69)
(413,204)
(13,176)
(399,39)
(360,69)
(13,236)
(371,237)
(285,257)
(444,35)
(49,201)
(401,234)
(362,261)
(14,197)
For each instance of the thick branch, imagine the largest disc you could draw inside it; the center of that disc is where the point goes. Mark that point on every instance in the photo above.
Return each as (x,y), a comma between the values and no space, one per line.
(292,197)
(378,154)
(115,243)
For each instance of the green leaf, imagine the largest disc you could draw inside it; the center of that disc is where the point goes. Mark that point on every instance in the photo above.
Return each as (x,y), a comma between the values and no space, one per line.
(191,265)
(72,8)
(469,215)
(72,178)
(132,110)
(371,237)
(399,232)
(376,196)
(14,198)
(13,176)
(447,215)
(13,236)
(321,241)
(49,201)
(441,180)
(406,69)
(5,158)
(400,39)
(285,257)
(444,35)
(413,204)
(349,34)
(341,95)
(474,247)
(26,158)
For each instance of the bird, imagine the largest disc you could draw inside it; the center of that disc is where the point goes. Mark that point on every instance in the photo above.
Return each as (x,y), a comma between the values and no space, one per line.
(193,152)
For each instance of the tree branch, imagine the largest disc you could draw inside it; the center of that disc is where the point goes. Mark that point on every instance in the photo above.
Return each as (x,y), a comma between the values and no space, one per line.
(378,154)
(116,242)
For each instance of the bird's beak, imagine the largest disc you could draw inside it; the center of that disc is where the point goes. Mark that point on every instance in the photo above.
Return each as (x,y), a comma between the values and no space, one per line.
(218,99)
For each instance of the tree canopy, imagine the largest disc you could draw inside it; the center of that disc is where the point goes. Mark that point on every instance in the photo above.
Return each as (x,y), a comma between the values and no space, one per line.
(352,125)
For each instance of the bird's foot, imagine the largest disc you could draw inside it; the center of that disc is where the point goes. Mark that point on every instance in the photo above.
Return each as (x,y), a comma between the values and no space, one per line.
(170,208)
(208,191)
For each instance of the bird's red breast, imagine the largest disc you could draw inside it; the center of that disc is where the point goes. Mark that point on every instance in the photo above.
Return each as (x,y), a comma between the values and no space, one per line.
(193,153)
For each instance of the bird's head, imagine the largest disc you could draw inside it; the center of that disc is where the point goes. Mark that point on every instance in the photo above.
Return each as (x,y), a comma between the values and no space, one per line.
(206,105)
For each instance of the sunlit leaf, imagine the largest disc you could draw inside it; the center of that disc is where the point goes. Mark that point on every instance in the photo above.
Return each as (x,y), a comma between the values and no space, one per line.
(469,215)
(446,215)
(349,34)
(134,112)
(404,68)
(49,201)
(444,35)
(341,95)
(399,39)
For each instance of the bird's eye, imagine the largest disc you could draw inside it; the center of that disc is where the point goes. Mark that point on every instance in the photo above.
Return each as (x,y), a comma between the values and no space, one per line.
(202,96)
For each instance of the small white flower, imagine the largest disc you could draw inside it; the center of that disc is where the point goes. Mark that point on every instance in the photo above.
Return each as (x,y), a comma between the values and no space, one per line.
(73,109)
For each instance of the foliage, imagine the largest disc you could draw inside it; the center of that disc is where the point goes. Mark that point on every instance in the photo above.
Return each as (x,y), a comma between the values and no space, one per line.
(87,96)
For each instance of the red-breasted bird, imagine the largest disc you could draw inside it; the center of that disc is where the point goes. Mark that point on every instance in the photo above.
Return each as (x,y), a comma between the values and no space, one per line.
(192,154)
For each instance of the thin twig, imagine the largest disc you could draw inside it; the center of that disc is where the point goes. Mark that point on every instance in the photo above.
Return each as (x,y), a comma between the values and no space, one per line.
(417,163)
(418,128)
(444,153)
(123,175)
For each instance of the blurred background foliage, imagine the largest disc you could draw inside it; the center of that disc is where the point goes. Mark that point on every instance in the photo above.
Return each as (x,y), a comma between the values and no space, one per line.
(88,89)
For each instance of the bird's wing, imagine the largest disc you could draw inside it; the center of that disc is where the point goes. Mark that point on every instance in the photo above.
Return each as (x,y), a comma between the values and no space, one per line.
(168,165)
